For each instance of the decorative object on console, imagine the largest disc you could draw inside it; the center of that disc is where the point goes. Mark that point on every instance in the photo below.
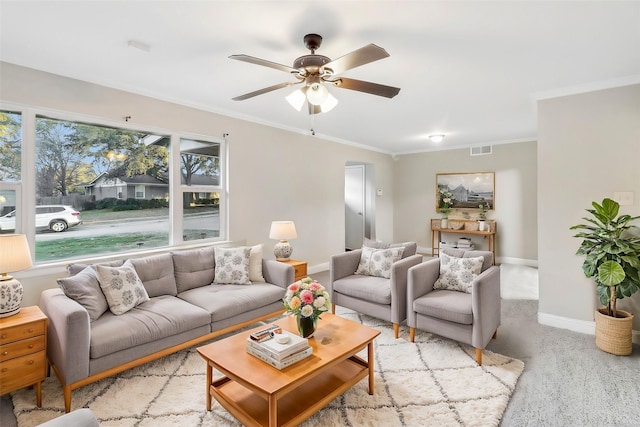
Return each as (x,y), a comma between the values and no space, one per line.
(445,201)
(307,299)
(612,259)
(482,216)
(283,231)
(14,256)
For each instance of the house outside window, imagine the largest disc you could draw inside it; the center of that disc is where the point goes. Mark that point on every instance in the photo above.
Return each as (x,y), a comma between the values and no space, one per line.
(139,191)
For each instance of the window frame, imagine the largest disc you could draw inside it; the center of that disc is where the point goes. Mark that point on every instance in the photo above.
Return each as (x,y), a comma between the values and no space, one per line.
(26,188)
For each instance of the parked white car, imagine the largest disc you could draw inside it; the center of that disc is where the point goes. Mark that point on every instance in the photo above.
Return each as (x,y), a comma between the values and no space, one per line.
(50,217)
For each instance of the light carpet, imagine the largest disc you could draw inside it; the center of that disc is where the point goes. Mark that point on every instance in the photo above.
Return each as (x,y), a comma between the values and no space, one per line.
(433,381)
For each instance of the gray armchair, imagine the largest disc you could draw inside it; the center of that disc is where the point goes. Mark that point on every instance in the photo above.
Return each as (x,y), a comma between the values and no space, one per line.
(471,318)
(375,296)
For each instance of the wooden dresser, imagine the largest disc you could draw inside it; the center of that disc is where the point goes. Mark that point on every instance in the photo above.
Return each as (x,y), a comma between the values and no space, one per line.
(23,351)
(299,267)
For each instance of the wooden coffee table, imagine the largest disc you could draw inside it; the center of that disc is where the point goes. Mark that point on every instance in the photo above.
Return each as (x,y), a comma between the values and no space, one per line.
(258,394)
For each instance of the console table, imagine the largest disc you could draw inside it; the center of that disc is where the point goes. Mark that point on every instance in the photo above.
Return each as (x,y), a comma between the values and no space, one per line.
(469,227)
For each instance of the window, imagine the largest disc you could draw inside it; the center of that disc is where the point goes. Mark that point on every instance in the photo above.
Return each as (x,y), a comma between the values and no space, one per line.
(200,184)
(10,146)
(106,189)
(139,191)
(10,169)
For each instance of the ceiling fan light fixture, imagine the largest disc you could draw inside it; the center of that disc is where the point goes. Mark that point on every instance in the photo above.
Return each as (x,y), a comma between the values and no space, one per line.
(317,94)
(296,99)
(437,138)
(328,105)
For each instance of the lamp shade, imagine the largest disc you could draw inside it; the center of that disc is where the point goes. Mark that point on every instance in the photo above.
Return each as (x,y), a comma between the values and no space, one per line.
(283,230)
(14,253)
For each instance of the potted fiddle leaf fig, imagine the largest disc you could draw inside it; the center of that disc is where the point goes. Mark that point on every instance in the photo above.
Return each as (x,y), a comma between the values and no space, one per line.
(611,247)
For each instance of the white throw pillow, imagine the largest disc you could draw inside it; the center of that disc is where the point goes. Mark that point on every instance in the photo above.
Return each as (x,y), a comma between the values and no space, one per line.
(122,287)
(378,262)
(457,274)
(255,264)
(232,266)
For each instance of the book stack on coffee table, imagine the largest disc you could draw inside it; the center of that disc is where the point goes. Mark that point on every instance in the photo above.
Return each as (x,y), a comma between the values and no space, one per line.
(277,353)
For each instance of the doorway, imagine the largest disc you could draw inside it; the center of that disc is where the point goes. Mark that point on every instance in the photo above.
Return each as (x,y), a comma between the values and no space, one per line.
(358,204)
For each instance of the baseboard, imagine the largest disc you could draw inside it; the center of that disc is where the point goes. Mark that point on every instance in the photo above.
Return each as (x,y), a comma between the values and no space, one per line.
(517,261)
(425,251)
(582,326)
(318,268)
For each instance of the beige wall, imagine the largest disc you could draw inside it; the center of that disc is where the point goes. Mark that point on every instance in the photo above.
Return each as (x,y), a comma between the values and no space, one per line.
(273,174)
(588,148)
(515,168)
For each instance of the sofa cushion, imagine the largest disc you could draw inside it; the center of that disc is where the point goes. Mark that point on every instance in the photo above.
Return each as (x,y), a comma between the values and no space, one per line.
(193,268)
(84,288)
(225,301)
(369,288)
(122,287)
(155,319)
(378,262)
(410,248)
(156,273)
(460,253)
(255,264)
(232,266)
(457,274)
(74,269)
(447,305)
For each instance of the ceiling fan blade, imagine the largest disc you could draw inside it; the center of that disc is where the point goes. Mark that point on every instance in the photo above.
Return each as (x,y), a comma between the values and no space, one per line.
(368,87)
(264,63)
(264,90)
(358,57)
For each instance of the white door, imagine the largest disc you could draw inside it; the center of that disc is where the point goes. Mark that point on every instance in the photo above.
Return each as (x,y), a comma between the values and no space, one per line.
(354,206)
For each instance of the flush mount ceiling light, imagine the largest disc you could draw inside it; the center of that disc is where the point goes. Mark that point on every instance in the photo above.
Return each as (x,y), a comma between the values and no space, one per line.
(315,72)
(436,138)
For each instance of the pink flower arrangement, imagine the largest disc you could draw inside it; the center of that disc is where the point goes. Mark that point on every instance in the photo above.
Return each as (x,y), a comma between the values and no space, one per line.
(306,298)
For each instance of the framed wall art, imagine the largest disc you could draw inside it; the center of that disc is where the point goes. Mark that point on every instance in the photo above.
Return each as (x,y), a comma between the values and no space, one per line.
(465,190)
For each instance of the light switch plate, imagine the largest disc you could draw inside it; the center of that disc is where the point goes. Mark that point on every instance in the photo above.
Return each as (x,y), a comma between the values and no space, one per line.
(623,197)
(379,192)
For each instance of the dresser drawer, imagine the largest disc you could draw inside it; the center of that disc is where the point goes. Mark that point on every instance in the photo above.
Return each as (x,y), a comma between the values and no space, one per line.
(22,371)
(300,271)
(21,348)
(20,332)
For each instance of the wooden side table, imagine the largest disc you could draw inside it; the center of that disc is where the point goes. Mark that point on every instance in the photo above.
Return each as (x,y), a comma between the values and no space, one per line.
(23,351)
(300,268)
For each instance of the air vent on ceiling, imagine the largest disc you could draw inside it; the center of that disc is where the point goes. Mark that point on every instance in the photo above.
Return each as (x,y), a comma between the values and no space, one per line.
(481,151)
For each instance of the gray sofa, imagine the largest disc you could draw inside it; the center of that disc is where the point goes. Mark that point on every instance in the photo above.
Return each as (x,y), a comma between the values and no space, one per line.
(184,308)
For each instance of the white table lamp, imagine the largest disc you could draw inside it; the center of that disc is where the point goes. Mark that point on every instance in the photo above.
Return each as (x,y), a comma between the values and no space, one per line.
(283,231)
(14,256)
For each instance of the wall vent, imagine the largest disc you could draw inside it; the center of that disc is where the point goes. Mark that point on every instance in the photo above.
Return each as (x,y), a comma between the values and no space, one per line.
(482,150)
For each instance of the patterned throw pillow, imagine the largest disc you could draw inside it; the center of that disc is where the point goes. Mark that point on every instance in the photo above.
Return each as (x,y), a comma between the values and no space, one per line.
(457,274)
(232,266)
(378,262)
(122,287)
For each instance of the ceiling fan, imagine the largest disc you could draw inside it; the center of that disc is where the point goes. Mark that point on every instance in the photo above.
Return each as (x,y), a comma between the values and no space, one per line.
(314,71)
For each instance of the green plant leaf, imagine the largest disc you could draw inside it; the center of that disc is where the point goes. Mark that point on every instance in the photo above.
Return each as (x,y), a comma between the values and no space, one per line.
(610,273)
(603,294)
(609,208)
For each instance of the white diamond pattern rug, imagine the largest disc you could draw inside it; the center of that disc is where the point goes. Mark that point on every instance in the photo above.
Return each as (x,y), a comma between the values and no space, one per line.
(432,382)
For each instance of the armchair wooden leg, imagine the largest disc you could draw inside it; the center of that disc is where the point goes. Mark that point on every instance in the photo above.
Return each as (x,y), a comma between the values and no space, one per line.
(67,398)
(412,334)
(333,309)
(495,335)
(479,356)
(396,329)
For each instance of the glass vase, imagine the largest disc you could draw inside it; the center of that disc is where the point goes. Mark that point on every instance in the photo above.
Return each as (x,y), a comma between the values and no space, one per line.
(306,326)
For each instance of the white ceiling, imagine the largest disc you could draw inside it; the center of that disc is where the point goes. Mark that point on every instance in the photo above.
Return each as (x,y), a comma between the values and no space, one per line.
(470,70)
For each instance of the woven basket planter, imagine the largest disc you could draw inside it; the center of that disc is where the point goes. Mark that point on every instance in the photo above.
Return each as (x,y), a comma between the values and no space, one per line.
(614,334)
